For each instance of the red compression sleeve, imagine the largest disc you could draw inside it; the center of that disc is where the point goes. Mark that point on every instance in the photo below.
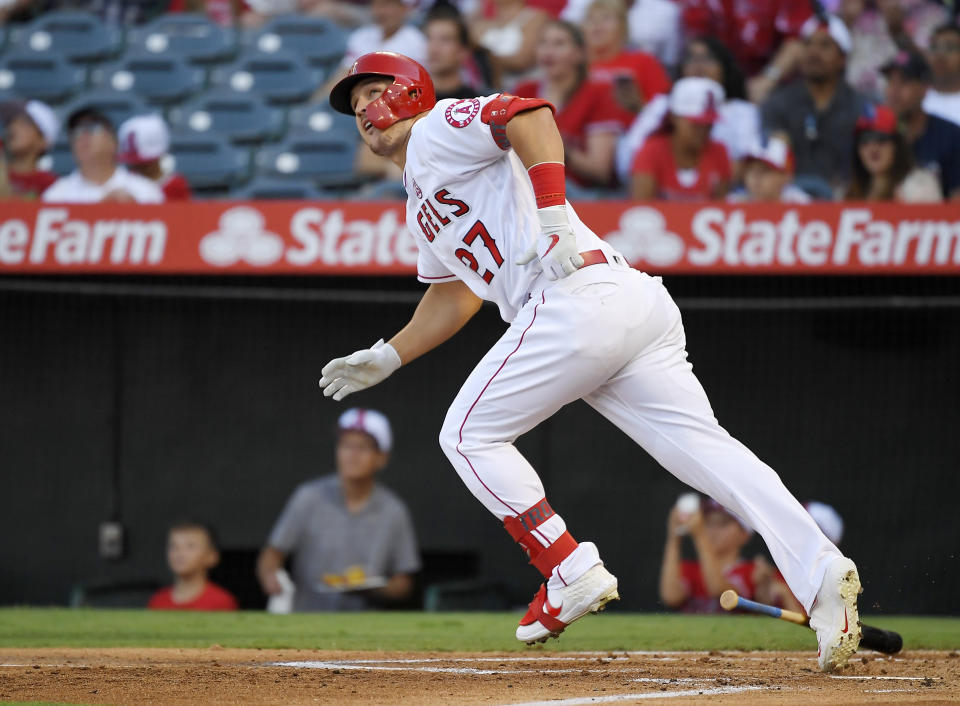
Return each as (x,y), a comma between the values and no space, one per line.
(549,184)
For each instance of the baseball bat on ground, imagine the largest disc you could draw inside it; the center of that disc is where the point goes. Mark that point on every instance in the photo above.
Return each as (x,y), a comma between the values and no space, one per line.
(886,641)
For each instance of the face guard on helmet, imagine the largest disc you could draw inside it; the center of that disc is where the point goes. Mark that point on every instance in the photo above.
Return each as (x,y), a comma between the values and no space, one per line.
(410,94)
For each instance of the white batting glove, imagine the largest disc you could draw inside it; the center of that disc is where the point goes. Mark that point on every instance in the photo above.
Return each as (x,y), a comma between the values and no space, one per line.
(556,246)
(358,371)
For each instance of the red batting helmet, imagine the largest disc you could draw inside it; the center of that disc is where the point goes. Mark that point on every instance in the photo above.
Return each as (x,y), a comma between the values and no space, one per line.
(410,94)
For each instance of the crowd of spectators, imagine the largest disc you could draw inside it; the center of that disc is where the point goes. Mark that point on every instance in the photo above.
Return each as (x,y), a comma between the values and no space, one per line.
(655,99)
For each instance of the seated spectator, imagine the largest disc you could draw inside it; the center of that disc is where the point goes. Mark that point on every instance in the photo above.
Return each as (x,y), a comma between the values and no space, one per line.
(653,26)
(98,177)
(144,142)
(30,129)
(943,98)
(635,76)
(767,175)
(718,536)
(758,32)
(449,56)
(935,141)
(351,539)
(191,553)
(680,162)
(819,112)
(587,116)
(509,30)
(222,12)
(388,30)
(738,120)
(883,165)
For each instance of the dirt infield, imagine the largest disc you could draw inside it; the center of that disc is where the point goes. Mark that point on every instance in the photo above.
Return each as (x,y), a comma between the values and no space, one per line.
(217,675)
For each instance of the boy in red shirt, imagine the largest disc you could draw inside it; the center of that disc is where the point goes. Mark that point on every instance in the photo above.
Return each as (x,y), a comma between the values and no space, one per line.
(191,553)
(680,162)
(143,143)
(30,129)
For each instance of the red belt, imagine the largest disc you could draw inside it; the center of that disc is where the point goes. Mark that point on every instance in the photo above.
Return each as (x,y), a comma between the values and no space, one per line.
(597,257)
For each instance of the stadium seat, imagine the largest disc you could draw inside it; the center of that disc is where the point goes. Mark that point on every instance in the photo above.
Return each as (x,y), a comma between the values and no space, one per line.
(159,79)
(209,162)
(192,36)
(280,77)
(49,78)
(76,36)
(115,105)
(266,188)
(318,117)
(241,117)
(321,42)
(59,159)
(325,159)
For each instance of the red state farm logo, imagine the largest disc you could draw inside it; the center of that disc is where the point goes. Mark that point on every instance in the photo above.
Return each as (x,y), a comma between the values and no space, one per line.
(462,113)
(241,237)
(643,236)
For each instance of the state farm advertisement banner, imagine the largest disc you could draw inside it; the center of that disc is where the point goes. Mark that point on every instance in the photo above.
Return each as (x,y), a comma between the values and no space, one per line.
(343,238)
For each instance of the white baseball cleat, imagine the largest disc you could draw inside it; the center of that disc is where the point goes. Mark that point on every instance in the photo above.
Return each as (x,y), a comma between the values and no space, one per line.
(834,615)
(552,611)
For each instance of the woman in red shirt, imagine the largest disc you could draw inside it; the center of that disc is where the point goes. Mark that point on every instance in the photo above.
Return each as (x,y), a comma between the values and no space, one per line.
(587,116)
(680,162)
(635,76)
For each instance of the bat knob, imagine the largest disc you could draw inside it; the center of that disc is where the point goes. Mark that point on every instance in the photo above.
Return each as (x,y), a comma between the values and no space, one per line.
(728,599)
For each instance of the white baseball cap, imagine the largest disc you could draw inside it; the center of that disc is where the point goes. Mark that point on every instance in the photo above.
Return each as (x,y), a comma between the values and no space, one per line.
(696,99)
(143,138)
(775,152)
(827,519)
(369,421)
(45,119)
(833,26)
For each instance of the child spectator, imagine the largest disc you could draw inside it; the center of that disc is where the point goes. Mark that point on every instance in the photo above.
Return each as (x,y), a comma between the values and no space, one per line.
(680,162)
(29,132)
(718,536)
(635,76)
(935,141)
(883,165)
(738,121)
(767,175)
(144,142)
(98,177)
(588,117)
(943,98)
(191,553)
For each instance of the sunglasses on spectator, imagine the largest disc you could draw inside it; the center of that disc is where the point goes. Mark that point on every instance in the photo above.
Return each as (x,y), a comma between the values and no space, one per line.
(90,128)
(871,136)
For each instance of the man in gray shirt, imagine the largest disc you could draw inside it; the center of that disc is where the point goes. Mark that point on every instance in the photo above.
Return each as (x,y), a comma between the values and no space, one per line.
(819,112)
(351,539)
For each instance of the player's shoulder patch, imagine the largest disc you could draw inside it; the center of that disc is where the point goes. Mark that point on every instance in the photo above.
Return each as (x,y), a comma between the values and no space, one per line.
(462,112)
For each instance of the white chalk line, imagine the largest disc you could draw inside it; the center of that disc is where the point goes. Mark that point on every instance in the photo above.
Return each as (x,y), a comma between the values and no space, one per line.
(717,691)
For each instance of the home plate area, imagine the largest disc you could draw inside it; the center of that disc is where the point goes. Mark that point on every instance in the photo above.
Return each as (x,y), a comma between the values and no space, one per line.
(181,676)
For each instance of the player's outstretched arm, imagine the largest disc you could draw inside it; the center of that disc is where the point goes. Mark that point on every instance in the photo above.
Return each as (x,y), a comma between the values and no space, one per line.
(442,311)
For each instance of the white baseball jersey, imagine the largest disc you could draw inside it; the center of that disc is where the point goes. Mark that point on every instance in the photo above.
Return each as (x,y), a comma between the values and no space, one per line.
(73,188)
(471,209)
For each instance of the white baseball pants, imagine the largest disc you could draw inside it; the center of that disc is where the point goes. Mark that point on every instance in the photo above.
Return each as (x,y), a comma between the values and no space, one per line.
(613,337)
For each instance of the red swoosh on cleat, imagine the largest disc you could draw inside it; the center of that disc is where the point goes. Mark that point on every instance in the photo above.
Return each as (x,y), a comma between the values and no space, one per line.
(550,610)
(846,625)
(556,239)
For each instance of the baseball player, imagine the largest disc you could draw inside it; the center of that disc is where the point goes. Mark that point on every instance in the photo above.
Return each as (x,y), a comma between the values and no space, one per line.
(486,204)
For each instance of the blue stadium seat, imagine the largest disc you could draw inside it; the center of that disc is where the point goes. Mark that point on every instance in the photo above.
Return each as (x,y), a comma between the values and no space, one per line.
(159,79)
(241,117)
(115,105)
(209,162)
(280,189)
(321,42)
(192,36)
(76,36)
(326,159)
(319,117)
(279,77)
(59,159)
(46,77)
